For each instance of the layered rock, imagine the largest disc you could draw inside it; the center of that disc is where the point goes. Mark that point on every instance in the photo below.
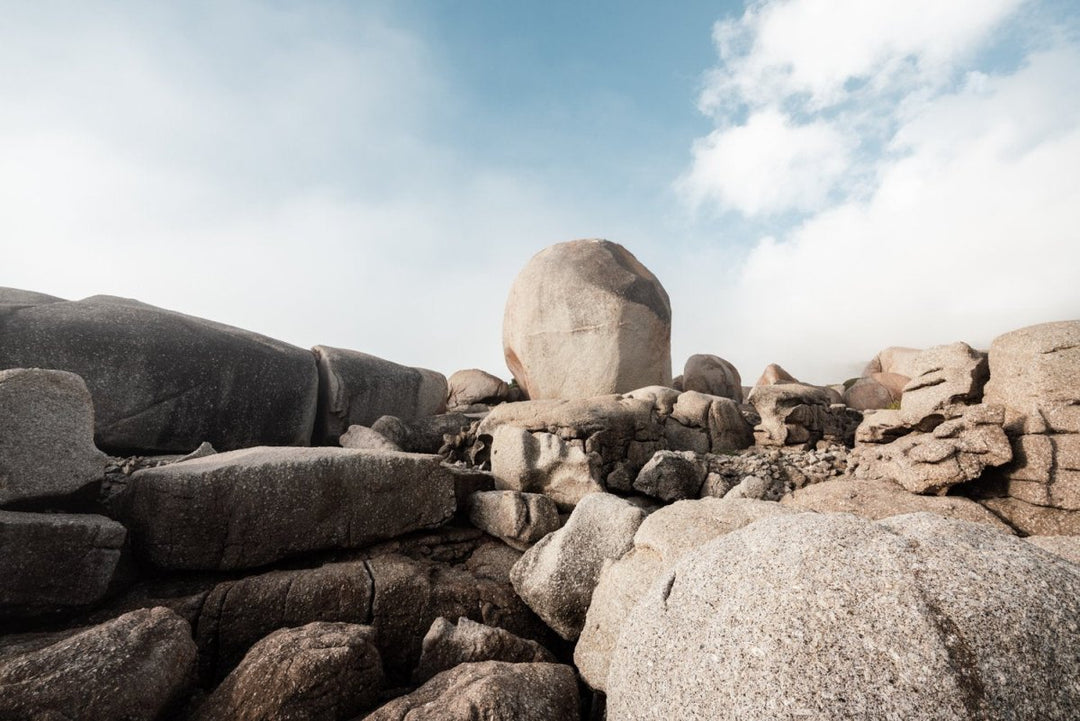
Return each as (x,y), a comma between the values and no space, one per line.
(46,435)
(447,645)
(1034,520)
(163,381)
(493,691)
(888,619)
(556,577)
(138,667)
(318,672)
(799,415)
(247,508)
(945,380)
(357,389)
(542,463)
(1033,374)
(519,519)
(589,305)
(713,376)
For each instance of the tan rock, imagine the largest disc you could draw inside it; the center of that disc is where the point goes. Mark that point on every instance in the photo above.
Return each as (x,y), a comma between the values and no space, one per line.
(590,306)
(1068,547)
(793,414)
(869,394)
(542,463)
(472,386)
(774,374)
(1032,520)
(712,375)
(945,379)
(894,359)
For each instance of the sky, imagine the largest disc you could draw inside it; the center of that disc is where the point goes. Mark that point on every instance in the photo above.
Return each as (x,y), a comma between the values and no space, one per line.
(811,180)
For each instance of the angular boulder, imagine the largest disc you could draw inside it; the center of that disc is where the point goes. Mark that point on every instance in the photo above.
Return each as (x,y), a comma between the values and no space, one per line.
(947,378)
(318,672)
(793,414)
(163,381)
(713,376)
(556,577)
(589,305)
(672,475)
(136,667)
(542,463)
(837,617)
(774,375)
(519,519)
(447,645)
(422,435)
(247,508)
(55,561)
(46,435)
(357,389)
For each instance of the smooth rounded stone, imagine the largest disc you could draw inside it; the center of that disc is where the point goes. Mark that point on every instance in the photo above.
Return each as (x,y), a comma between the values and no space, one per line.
(136,667)
(712,375)
(492,691)
(318,672)
(869,394)
(659,543)
(364,438)
(422,435)
(541,463)
(556,577)
(447,645)
(672,475)
(774,375)
(237,614)
(590,306)
(246,508)
(894,359)
(894,382)
(945,379)
(1035,374)
(54,561)
(519,519)
(664,399)
(1068,547)
(165,382)
(832,616)
(881,499)
(357,388)
(46,435)
(1032,520)
(472,386)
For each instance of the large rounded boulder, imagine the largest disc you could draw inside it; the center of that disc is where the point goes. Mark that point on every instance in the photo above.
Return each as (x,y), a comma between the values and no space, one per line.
(832,616)
(586,318)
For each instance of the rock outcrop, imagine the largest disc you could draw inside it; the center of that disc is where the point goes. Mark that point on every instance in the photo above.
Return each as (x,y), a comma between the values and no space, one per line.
(518,519)
(592,306)
(713,376)
(798,415)
(447,645)
(476,387)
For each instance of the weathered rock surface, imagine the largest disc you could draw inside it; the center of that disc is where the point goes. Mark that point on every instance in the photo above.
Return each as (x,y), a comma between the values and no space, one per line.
(672,475)
(542,463)
(1068,547)
(782,470)
(422,435)
(659,543)
(870,393)
(135,667)
(364,438)
(519,519)
(247,508)
(472,386)
(946,379)
(556,577)
(356,389)
(589,305)
(713,376)
(1033,520)
(774,375)
(881,499)
(850,619)
(798,415)
(46,435)
(163,381)
(956,451)
(1034,375)
(492,691)
(318,672)
(894,359)
(54,561)
(447,645)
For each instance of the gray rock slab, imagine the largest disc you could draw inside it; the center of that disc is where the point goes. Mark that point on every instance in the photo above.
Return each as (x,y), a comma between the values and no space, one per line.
(519,519)
(448,644)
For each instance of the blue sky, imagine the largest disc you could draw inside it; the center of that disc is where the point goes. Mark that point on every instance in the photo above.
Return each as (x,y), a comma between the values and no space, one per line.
(812,180)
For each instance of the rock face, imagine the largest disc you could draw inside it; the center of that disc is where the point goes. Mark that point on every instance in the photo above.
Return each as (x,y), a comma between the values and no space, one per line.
(1034,520)
(364,438)
(318,672)
(659,543)
(519,519)
(356,389)
(798,415)
(672,475)
(447,645)
(713,376)
(165,382)
(46,435)
(474,386)
(493,691)
(53,561)
(247,508)
(422,435)
(887,619)
(881,499)
(1068,547)
(134,667)
(1033,374)
(946,379)
(556,577)
(589,305)
(542,463)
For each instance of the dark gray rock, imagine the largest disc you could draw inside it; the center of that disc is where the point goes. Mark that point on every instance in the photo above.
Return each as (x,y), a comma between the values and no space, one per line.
(46,435)
(136,667)
(672,475)
(247,508)
(364,438)
(356,389)
(163,381)
(422,435)
(447,645)
(54,561)
(318,672)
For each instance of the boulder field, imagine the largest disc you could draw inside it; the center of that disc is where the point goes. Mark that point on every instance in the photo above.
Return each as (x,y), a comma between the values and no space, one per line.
(200,523)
